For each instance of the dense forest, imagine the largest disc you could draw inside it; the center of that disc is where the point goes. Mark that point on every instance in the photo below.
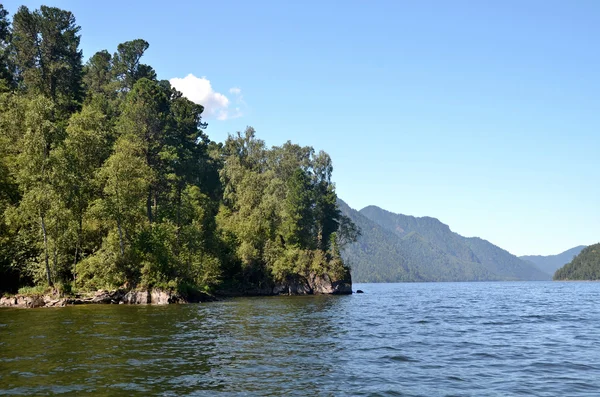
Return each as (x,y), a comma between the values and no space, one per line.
(585,266)
(108,179)
(395,247)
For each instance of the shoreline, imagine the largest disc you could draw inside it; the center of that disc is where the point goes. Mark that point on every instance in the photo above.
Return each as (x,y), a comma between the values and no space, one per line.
(143,297)
(114,297)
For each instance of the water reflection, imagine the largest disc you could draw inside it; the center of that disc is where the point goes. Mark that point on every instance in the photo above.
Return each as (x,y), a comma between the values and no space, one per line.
(278,341)
(236,345)
(483,339)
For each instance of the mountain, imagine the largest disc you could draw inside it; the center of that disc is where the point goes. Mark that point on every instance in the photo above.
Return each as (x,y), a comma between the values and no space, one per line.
(380,255)
(551,263)
(585,266)
(395,247)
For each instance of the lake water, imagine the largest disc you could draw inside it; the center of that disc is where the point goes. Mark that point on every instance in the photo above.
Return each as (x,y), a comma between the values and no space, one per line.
(429,339)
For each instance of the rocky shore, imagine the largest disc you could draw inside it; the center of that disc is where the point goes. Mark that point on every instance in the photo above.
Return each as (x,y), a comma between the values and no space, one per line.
(313,285)
(294,285)
(132,297)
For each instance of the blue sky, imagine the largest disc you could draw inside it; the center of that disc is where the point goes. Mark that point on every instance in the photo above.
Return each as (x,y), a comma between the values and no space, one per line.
(485,115)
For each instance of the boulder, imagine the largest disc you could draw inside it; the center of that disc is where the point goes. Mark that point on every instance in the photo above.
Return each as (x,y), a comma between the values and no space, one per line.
(8,301)
(30,301)
(323,284)
(144,297)
(293,285)
(151,297)
(313,284)
(158,297)
(137,298)
(103,296)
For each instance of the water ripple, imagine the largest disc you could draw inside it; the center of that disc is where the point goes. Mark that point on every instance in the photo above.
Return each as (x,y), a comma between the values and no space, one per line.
(446,339)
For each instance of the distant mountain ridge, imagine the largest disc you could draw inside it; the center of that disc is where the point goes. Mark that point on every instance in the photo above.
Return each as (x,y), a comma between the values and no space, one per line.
(551,263)
(395,247)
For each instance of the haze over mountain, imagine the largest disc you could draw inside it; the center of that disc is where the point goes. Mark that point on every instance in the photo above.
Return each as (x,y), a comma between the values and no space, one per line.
(551,263)
(585,266)
(395,247)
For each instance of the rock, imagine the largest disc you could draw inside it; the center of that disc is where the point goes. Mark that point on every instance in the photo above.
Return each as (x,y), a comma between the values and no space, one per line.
(137,298)
(75,301)
(324,285)
(313,284)
(154,296)
(8,301)
(321,284)
(359,291)
(158,297)
(293,285)
(30,301)
(107,296)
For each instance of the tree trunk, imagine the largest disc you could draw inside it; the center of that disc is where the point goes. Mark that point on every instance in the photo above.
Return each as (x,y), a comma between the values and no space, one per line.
(121,245)
(178,222)
(54,255)
(46,259)
(155,205)
(149,206)
(79,231)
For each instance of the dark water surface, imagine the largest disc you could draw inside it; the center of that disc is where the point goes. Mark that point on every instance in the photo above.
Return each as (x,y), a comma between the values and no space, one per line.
(437,339)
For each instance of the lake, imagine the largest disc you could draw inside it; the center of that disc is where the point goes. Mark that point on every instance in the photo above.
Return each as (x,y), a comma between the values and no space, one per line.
(421,339)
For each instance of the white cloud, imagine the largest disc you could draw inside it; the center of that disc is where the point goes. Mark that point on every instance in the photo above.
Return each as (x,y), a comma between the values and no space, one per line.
(200,91)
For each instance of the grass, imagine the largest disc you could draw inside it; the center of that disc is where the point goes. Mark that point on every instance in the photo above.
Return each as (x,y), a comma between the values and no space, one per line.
(37,290)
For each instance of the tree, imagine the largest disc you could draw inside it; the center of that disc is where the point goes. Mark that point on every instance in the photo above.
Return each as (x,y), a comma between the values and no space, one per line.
(250,211)
(126,64)
(326,210)
(107,178)
(98,74)
(6,69)
(285,160)
(76,161)
(126,177)
(298,218)
(35,170)
(145,114)
(47,56)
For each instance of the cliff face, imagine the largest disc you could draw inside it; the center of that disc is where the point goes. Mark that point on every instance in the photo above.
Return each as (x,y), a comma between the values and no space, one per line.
(314,285)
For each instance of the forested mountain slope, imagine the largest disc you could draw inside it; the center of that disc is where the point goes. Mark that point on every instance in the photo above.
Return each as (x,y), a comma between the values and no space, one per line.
(585,266)
(428,251)
(551,263)
(379,255)
(502,262)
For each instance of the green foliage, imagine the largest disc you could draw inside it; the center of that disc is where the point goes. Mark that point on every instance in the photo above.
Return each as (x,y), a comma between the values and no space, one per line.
(298,219)
(280,207)
(585,266)
(47,56)
(6,65)
(107,179)
(37,290)
(126,63)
